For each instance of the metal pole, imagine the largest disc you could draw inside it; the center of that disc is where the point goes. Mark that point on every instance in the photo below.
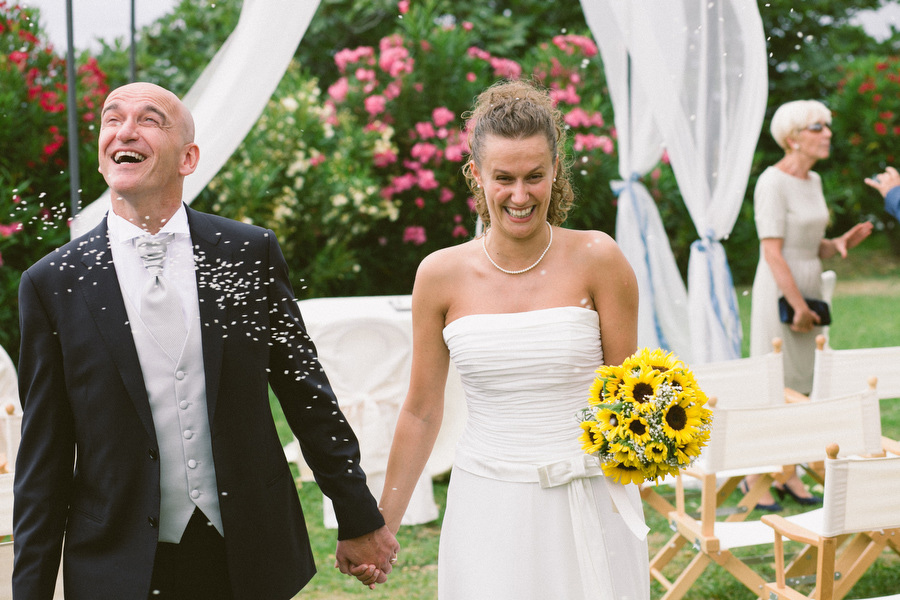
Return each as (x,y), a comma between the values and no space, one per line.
(72,111)
(133,59)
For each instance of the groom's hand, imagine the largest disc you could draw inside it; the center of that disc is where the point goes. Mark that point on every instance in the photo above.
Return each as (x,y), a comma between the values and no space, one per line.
(377,549)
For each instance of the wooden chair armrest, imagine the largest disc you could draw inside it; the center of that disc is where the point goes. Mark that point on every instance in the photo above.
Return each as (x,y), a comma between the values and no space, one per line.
(790,530)
(792,396)
(694,472)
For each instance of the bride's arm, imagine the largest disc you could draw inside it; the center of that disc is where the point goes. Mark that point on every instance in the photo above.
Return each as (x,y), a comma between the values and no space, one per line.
(615,293)
(420,417)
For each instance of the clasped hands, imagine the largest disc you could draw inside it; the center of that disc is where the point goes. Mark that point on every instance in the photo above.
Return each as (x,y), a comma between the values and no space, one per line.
(369,558)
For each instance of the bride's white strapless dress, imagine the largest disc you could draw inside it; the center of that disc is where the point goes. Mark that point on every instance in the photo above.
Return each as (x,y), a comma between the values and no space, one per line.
(512,529)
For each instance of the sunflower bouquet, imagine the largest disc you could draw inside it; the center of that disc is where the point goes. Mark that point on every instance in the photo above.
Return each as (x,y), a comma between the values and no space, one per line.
(647,418)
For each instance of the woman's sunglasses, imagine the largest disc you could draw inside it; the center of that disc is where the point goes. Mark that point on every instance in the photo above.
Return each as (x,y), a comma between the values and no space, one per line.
(816,127)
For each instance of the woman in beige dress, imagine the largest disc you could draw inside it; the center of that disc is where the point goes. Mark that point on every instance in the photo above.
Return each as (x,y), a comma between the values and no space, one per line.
(791,216)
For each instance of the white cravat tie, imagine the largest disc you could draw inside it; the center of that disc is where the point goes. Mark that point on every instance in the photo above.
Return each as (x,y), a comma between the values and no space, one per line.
(160,304)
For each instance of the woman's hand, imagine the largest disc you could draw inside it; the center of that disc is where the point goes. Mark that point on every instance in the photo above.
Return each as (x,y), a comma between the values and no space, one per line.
(367,575)
(804,319)
(852,238)
(841,245)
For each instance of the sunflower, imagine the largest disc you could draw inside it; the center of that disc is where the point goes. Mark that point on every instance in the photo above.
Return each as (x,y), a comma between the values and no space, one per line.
(683,381)
(663,469)
(656,452)
(608,381)
(591,439)
(624,453)
(640,387)
(636,428)
(659,359)
(623,473)
(686,453)
(607,419)
(681,420)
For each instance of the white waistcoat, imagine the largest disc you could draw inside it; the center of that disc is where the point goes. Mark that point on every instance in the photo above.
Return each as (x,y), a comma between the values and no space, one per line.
(176,387)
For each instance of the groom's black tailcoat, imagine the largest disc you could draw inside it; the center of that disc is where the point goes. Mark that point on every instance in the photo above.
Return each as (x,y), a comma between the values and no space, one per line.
(83,396)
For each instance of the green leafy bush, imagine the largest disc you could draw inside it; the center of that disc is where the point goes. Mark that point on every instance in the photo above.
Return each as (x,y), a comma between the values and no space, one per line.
(34,166)
(866,125)
(303,171)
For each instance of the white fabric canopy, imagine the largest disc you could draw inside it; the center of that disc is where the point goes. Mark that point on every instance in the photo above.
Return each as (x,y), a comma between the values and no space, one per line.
(700,65)
(231,93)
(663,312)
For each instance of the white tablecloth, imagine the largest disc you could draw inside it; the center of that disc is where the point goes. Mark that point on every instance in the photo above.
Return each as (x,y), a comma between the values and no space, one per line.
(365,345)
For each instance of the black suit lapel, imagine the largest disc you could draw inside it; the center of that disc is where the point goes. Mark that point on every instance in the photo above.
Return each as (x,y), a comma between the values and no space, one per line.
(211,257)
(101,291)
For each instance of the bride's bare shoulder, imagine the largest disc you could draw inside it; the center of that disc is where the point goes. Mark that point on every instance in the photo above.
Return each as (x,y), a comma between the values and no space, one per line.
(593,245)
(446,262)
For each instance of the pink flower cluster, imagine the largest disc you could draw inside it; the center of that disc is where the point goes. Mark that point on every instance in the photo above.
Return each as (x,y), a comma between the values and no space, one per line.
(578,117)
(503,67)
(585,142)
(394,59)
(414,234)
(434,143)
(44,85)
(573,43)
(8,230)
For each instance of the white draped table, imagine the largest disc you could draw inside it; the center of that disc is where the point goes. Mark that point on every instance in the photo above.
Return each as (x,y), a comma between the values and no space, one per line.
(365,345)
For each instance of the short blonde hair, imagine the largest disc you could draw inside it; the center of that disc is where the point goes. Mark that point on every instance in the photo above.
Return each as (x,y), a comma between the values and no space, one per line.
(795,116)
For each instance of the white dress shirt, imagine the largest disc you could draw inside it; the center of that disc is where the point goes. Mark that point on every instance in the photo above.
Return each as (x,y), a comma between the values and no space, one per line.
(179,268)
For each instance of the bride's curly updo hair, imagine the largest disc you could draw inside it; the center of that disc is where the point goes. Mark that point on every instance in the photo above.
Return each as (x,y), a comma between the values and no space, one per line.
(517,110)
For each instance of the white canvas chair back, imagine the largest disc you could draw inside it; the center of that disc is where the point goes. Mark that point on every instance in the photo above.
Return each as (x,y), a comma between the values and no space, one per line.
(744,382)
(786,434)
(6,567)
(6,504)
(368,366)
(10,436)
(6,548)
(861,494)
(838,372)
(9,384)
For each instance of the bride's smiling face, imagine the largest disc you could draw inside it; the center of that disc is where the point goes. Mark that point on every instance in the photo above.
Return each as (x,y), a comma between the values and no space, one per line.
(517,178)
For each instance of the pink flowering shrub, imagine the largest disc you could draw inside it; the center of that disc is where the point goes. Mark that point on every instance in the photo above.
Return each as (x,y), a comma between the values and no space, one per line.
(413,88)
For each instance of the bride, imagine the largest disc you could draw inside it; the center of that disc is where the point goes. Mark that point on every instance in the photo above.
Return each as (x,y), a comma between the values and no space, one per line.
(520,311)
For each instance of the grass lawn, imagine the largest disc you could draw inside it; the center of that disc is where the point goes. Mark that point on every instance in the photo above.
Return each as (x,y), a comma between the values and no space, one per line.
(865,315)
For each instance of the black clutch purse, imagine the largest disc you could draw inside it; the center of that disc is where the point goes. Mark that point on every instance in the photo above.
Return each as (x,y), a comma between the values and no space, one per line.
(820,307)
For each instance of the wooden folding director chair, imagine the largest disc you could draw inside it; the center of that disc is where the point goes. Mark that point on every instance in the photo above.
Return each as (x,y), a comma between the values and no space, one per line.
(838,372)
(759,440)
(860,503)
(742,382)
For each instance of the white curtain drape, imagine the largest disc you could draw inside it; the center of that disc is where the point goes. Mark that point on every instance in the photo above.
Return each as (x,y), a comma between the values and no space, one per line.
(663,311)
(701,65)
(231,93)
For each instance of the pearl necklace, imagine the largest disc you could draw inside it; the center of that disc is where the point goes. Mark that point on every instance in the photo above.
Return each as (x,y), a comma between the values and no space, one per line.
(520,271)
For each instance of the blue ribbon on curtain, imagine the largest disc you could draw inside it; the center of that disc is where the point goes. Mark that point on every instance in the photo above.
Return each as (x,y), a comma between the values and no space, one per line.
(706,245)
(618,187)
